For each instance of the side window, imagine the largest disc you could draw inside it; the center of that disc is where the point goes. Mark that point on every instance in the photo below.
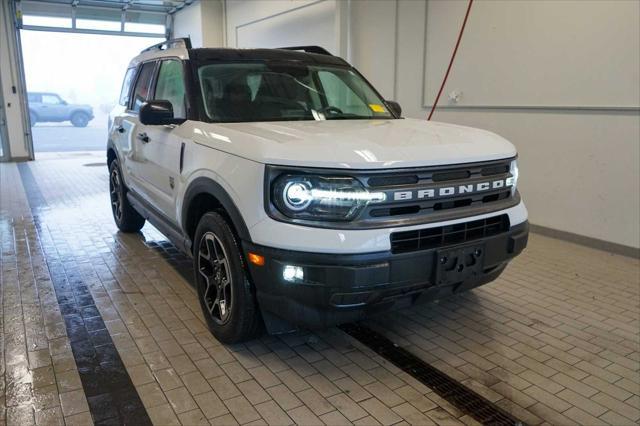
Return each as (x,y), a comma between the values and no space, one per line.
(33,98)
(50,99)
(340,95)
(126,86)
(141,91)
(170,86)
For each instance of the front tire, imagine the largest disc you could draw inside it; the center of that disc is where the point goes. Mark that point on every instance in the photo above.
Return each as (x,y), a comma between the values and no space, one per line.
(126,217)
(80,119)
(227,300)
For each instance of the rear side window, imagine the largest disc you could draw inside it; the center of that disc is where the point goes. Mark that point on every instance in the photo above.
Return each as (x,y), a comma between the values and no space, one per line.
(126,86)
(143,84)
(33,97)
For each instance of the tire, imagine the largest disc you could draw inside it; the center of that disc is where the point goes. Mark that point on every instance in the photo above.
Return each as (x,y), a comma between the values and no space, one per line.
(221,279)
(125,216)
(80,119)
(33,118)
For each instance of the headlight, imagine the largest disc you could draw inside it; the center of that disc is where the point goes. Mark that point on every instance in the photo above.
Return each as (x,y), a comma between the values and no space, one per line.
(321,198)
(513,180)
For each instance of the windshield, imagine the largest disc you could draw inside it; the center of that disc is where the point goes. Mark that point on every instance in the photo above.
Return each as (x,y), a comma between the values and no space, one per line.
(263,91)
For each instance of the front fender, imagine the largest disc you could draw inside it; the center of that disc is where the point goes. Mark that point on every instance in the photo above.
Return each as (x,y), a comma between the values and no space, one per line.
(205,185)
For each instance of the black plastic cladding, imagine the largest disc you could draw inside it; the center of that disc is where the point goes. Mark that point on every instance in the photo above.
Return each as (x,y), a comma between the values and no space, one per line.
(408,212)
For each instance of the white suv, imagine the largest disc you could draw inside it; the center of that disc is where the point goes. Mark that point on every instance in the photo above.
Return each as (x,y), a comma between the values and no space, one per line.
(303,197)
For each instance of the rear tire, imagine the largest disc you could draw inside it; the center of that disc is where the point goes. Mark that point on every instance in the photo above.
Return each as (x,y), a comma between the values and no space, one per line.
(80,119)
(125,216)
(226,297)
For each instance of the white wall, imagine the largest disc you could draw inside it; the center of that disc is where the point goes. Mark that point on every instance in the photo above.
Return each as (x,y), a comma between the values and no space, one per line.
(311,24)
(10,79)
(203,22)
(537,53)
(188,23)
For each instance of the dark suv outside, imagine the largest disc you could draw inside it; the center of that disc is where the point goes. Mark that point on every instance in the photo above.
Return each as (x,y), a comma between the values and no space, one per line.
(50,107)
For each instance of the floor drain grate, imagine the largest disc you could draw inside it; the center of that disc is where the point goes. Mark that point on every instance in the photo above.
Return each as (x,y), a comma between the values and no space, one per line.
(454,392)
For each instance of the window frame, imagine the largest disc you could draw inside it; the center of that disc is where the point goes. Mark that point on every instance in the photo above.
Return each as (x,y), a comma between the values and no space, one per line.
(155,61)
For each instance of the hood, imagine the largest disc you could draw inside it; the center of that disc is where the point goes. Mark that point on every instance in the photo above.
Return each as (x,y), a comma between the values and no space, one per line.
(354,144)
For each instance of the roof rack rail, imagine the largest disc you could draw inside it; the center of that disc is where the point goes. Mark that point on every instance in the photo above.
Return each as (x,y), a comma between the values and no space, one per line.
(309,49)
(168,44)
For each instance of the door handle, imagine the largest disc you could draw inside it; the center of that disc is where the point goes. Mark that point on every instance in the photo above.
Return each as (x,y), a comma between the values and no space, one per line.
(144,137)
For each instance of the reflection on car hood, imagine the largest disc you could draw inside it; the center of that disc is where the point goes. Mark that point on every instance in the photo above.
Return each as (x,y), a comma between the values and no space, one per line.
(356,144)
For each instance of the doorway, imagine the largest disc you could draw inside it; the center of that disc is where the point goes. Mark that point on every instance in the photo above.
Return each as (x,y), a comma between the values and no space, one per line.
(73,81)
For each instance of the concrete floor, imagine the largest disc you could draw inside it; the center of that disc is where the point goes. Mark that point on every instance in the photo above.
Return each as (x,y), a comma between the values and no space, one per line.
(554,340)
(63,137)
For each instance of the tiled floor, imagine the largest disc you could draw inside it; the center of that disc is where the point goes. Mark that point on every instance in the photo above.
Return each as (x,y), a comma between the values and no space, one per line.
(555,339)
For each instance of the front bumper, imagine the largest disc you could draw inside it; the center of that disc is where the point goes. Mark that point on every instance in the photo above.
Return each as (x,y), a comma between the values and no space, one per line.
(339,288)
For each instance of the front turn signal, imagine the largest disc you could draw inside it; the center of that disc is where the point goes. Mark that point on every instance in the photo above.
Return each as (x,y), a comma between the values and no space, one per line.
(256,259)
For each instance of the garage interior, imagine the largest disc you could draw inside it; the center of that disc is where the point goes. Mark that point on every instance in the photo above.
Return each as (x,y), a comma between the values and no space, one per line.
(103,327)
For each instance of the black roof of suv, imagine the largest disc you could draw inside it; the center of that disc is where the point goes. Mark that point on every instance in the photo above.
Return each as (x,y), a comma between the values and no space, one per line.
(288,54)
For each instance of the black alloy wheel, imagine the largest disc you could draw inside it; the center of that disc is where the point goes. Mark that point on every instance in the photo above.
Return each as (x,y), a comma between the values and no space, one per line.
(126,217)
(213,266)
(115,191)
(226,295)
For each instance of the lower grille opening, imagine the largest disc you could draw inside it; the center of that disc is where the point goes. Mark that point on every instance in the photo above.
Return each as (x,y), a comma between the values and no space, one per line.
(441,236)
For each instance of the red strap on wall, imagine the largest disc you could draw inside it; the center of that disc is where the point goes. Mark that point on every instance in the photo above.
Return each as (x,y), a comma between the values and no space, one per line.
(453,56)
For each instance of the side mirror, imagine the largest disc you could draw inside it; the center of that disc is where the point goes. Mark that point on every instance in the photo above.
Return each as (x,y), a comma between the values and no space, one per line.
(157,113)
(63,102)
(395,108)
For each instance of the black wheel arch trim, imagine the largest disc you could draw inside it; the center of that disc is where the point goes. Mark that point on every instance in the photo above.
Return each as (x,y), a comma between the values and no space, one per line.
(205,185)
(111,146)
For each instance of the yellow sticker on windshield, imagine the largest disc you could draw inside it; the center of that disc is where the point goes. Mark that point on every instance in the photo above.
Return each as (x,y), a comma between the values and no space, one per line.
(377,108)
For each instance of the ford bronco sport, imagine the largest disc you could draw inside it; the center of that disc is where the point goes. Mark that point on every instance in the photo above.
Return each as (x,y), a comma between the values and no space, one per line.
(303,197)
(51,108)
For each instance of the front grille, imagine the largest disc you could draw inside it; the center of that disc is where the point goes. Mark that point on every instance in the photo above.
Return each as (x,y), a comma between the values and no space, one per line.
(404,202)
(442,236)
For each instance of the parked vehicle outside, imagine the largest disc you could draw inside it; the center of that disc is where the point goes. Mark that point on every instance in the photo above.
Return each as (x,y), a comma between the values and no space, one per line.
(51,108)
(304,198)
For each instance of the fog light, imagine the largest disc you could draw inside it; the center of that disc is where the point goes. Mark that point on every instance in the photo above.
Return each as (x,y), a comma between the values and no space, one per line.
(293,273)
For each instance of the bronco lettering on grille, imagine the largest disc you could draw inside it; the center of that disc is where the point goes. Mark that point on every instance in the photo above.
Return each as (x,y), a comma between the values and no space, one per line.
(448,191)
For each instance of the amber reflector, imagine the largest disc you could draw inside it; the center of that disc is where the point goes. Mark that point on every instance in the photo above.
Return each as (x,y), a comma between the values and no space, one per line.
(256,259)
